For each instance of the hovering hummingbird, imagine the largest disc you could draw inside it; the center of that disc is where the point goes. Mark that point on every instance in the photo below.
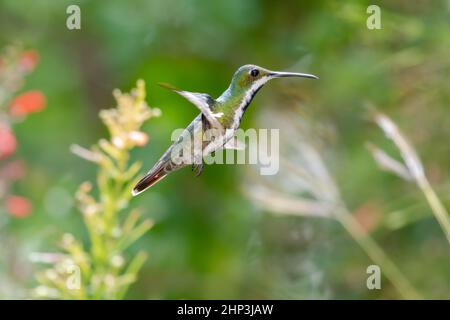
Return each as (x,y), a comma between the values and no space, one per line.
(223,115)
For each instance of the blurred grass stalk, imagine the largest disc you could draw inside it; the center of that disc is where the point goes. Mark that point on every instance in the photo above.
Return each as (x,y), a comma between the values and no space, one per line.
(310,176)
(377,254)
(281,204)
(101,271)
(412,168)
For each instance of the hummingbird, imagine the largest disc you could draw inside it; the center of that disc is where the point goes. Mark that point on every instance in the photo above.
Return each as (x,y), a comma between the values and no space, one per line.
(221,115)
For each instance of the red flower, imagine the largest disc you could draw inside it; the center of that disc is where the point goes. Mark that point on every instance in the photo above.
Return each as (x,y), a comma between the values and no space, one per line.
(8,142)
(30,101)
(18,207)
(28,60)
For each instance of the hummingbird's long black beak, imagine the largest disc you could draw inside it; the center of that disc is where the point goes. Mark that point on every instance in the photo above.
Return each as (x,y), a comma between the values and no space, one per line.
(279,74)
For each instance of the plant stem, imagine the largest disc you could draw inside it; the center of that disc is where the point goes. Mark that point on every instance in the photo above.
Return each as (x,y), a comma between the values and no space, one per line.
(376,253)
(436,205)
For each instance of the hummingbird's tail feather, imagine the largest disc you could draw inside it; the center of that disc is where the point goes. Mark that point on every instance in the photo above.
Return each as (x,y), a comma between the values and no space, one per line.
(149,180)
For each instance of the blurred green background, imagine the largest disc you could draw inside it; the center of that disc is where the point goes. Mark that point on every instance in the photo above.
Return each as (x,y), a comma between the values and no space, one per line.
(209,240)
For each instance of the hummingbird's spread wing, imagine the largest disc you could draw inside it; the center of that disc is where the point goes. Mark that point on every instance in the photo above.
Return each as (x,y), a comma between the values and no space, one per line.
(202,101)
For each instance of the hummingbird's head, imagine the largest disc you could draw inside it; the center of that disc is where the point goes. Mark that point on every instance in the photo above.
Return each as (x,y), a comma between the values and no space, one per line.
(251,78)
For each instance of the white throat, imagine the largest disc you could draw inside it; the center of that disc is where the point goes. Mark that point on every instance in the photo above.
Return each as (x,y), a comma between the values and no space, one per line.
(246,100)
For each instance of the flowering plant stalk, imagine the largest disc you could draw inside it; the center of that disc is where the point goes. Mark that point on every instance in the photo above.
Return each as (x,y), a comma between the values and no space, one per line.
(100,269)
(15,65)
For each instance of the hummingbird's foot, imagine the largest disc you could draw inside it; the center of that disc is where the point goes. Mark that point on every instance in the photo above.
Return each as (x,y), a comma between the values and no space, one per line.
(198,167)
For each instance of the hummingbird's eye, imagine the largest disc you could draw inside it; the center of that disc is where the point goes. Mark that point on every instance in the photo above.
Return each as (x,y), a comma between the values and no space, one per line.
(254,73)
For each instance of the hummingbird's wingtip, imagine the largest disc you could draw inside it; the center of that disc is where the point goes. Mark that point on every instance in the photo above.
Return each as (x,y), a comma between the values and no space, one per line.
(135,192)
